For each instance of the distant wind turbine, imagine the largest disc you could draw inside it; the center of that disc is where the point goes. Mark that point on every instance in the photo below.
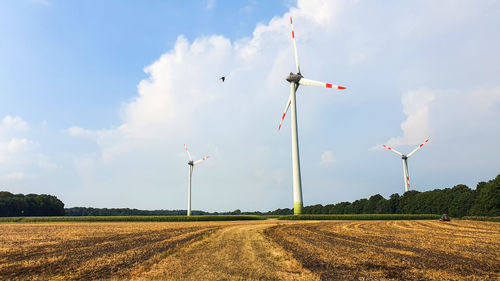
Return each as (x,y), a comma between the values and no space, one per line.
(296,80)
(191,164)
(405,164)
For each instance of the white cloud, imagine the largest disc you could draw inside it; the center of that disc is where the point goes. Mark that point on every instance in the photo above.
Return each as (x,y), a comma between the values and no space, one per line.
(80,132)
(327,158)
(45,162)
(13,123)
(18,145)
(417,127)
(16,151)
(16,176)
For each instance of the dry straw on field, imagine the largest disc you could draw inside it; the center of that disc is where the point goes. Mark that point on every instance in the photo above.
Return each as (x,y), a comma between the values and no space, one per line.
(251,250)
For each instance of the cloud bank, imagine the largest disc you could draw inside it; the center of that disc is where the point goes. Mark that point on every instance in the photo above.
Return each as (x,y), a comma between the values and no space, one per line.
(397,91)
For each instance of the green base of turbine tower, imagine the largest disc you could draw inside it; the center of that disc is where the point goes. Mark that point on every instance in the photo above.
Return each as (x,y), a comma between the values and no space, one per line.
(297,208)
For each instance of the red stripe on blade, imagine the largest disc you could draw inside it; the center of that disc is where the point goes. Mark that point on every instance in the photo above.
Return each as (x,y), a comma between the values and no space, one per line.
(328,85)
(291,20)
(341,88)
(293,35)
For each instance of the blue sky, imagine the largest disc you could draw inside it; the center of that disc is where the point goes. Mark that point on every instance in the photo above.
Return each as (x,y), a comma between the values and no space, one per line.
(99,97)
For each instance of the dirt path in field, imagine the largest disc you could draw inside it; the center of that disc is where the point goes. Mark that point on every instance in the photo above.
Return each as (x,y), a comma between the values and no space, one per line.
(235,252)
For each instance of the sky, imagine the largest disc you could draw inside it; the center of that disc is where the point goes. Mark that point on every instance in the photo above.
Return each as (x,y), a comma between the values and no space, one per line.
(98,98)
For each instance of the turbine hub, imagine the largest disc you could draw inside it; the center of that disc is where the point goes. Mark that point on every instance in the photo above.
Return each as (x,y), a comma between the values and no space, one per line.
(404,157)
(191,163)
(294,78)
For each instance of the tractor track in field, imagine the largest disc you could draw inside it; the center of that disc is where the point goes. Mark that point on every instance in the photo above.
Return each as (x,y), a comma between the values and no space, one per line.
(366,253)
(237,252)
(94,258)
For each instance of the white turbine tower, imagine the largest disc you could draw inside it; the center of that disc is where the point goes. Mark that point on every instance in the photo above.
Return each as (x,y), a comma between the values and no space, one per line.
(405,164)
(296,80)
(191,164)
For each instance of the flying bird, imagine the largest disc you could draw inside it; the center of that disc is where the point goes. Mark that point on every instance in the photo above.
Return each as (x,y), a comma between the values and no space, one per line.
(223,78)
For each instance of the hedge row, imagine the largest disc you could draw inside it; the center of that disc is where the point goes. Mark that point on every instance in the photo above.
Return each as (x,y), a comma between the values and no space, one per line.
(363,217)
(131,218)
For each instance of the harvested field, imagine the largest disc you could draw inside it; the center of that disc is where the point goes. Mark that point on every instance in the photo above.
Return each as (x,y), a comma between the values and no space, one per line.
(401,250)
(251,250)
(90,251)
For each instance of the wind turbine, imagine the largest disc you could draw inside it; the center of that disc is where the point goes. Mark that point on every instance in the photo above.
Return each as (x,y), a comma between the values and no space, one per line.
(405,165)
(295,80)
(191,164)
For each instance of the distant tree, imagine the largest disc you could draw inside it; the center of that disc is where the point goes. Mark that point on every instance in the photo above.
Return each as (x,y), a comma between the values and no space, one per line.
(462,199)
(393,204)
(340,208)
(487,199)
(12,205)
(373,205)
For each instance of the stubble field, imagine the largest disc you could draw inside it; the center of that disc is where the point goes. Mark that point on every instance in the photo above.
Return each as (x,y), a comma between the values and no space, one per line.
(251,250)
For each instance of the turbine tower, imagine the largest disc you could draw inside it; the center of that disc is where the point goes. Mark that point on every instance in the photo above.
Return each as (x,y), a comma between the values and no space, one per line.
(405,164)
(295,80)
(191,164)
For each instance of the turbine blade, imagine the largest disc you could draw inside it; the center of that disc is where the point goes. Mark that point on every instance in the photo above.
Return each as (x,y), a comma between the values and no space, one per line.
(393,150)
(295,47)
(285,111)
(189,155)
(198,161)
(418,147)
(309,82)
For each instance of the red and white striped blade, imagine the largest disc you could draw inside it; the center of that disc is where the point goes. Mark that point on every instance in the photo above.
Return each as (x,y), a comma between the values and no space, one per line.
(295,47)
(418,147)
(189,155)
(286,110)
(393,150)
(309,82)
(198,161)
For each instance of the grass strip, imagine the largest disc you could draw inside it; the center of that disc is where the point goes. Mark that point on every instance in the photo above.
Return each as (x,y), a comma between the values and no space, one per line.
(478,218)
(131,218)
(362,217)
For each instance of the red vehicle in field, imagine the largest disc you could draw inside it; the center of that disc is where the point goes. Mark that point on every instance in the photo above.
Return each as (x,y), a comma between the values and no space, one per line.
(444,217)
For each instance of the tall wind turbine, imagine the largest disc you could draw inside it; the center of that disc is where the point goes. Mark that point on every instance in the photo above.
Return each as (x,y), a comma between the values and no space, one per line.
(405,164)
(191,164)
(296,80)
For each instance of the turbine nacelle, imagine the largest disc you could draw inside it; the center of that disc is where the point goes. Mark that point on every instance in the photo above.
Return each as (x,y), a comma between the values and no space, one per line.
(294,78)
(191,163)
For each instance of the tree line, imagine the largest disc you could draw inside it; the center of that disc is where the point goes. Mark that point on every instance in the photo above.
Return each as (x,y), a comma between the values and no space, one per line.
(89,211)
(457,201)
(16,205)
